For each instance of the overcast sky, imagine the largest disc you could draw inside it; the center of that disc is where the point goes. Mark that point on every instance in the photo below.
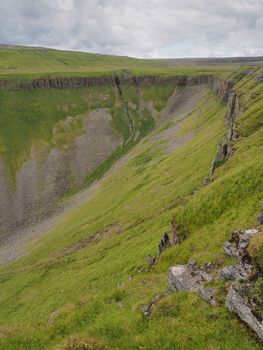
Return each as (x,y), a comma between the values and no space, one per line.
(140,28)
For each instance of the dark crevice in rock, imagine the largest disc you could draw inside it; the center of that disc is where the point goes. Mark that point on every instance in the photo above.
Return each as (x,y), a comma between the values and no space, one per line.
(126,107)
(225,148)
(164,244)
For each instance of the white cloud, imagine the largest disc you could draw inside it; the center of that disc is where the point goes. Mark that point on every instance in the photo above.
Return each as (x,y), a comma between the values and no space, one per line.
(149,28)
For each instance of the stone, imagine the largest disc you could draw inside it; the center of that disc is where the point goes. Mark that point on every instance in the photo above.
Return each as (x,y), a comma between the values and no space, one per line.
(191,279)
(236,304)
(249,72)
(151,260)
(146,309)
(260,76)
(191,262)
(52,317)
(206,181)
(180,278)
(164,243)
(260,219)
(120,304)
(175,229)
(230,249)
(236,246)
(208,294)
(236,272)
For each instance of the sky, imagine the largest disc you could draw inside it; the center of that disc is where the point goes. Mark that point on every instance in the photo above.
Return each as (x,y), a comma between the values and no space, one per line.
(138,28)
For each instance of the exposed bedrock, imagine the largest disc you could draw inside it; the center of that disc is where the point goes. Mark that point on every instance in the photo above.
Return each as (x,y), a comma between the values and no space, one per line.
(240,297)
(219,86)
(47,174)
(192,278)
(244,274)
(237,304)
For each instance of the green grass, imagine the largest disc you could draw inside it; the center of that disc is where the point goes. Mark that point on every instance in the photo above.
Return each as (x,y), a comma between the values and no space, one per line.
(97,291)
(29,118)
(158,94)
(28,63)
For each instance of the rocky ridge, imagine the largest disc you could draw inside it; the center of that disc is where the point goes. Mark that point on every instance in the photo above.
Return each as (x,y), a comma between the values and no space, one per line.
(19,204)
(193,278)
(219,86)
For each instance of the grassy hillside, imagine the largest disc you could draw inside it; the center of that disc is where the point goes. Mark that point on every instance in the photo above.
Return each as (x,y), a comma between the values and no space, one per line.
(84,281)
(31,62)
(29,117)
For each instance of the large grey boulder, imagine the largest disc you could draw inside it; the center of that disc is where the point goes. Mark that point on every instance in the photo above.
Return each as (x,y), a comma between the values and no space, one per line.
(192,279)
(237,304)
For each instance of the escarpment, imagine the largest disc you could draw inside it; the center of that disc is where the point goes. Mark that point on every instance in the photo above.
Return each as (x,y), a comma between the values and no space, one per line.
(220,87)
(49,172)
(225,148)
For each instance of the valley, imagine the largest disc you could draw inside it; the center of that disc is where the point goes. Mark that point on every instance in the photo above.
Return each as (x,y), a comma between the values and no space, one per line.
(97,162)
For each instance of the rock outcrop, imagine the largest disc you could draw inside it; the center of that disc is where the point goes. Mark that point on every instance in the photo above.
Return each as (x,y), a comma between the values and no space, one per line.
(237,247)
(220,87)
(236,303)
(225,148)
(45,177)
(191,278)
(164,243)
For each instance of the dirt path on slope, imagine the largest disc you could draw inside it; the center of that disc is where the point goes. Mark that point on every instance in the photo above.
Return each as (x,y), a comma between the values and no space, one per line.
(14,245)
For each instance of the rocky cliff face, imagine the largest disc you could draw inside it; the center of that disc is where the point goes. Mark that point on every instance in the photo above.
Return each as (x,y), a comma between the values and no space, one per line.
(219,86)
(47,174)
(225,148)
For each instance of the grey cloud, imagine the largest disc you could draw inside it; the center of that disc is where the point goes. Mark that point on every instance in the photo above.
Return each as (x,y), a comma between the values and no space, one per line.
(149,28)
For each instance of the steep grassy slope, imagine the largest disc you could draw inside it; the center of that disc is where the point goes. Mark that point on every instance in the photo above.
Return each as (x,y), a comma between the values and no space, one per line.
(84,281)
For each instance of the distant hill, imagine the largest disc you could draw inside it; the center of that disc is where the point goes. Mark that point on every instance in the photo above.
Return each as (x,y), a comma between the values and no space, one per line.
(26,60)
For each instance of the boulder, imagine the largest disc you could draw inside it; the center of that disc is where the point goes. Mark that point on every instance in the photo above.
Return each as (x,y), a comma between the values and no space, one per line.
(236,304)
(236,272)
(208,294)
(192,279)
